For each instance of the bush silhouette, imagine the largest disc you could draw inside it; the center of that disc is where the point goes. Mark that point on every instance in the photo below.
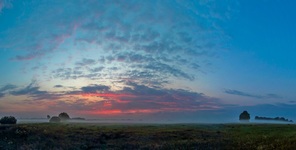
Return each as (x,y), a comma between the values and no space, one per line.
(55,119)
(244,116)
(8,120)
(64,116)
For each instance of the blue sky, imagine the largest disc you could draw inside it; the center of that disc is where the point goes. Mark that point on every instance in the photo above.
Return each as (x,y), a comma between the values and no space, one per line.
(160,59)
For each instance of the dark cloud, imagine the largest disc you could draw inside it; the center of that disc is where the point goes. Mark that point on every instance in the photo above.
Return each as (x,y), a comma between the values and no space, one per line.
(167,99)
(240,93)
(32,89)
(7,87)
(58,86)
(95,88)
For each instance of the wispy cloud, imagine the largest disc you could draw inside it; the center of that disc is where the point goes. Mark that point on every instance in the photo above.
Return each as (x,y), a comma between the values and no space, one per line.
(244,94)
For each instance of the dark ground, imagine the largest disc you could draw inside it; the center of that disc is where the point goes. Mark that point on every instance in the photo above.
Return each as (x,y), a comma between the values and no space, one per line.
(147,136)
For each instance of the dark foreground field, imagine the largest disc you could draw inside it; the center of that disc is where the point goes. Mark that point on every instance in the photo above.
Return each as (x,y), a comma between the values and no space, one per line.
(178,136)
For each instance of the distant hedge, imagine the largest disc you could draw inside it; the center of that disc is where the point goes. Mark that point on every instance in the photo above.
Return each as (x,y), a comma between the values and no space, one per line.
(8,120)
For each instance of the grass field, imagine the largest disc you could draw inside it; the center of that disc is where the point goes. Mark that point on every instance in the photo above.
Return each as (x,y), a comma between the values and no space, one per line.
(147,136)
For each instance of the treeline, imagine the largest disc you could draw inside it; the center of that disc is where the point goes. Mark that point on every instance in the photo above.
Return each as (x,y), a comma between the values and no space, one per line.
(273,119)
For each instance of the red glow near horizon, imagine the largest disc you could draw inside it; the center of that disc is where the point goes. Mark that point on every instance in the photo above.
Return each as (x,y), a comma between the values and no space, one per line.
(112,95)
(119,112)
(109,96)
(119,104)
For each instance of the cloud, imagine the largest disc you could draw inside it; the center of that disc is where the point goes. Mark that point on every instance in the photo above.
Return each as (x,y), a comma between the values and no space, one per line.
(132,98)
(2,95)
(95,88)
(135,98)
(35,94)
(68,73)
(86,62)
(244,94)
(169,70)
(77,72)
(7,87)
(58,86)
(97,69)
(273,96)
(32,89)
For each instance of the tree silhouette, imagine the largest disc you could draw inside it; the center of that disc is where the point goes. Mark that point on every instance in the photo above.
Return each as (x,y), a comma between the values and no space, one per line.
(8,120)
(64,116)
(48,116)
(244,116)
(55,119)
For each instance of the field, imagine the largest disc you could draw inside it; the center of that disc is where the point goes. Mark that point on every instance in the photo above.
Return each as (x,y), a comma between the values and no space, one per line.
(147,136)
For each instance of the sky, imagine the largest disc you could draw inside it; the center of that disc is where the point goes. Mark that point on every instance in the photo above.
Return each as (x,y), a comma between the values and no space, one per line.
(158,60)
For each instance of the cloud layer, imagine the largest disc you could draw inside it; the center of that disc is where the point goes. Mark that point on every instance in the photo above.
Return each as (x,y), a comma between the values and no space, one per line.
(244,94)
(141,41)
